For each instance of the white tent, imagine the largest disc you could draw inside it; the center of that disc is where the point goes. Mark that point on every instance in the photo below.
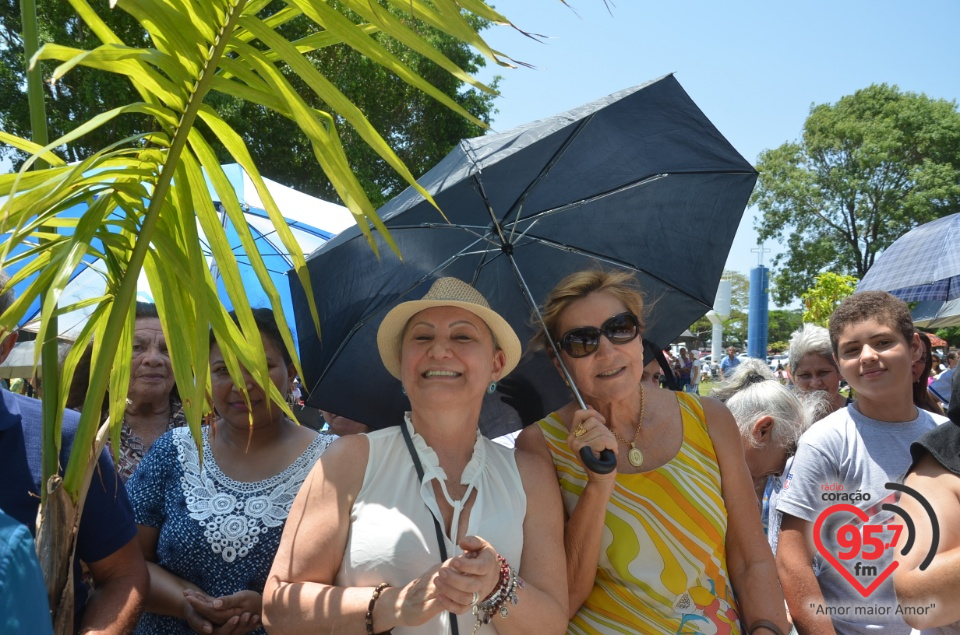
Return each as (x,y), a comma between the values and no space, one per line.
(19,363)
(313,221)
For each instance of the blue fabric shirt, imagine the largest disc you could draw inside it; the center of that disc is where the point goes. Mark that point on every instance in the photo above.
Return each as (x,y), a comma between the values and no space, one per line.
(216,532)
(23,597)
(727,364)
(107,521)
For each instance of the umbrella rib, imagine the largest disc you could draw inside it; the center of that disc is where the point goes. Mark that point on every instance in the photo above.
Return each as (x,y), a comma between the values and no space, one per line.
(617,190)
(590,199)
(499,224)
(518,206)
(474,230)
(612,261)
(486,202)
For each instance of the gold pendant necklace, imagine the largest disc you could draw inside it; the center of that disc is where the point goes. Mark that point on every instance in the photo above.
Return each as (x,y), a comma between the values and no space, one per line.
(635,456)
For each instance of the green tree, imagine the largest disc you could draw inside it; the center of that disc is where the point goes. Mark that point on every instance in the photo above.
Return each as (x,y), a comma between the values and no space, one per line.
(782,324)
(778,346)
(822,298)
(145,194)
(951,334)
(867,169)
(421,129)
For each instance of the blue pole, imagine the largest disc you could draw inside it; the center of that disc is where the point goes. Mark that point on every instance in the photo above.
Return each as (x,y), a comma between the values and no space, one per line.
(758,320)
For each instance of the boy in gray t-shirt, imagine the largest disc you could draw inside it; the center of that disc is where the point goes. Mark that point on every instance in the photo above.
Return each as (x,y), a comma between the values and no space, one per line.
(847,458)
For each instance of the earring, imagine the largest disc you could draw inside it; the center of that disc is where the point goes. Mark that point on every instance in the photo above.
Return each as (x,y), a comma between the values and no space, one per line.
(402,389)
(492,388)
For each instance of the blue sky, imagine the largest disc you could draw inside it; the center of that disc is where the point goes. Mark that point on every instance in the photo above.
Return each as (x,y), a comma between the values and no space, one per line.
(753,67)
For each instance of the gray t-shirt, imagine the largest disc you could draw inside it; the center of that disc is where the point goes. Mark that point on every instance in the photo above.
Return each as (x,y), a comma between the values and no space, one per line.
(847,458)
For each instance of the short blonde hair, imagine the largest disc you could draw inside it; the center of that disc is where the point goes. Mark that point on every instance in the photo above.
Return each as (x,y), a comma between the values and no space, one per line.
(620,284)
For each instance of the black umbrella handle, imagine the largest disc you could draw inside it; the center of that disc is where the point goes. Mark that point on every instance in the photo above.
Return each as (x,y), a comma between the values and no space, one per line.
(603,465)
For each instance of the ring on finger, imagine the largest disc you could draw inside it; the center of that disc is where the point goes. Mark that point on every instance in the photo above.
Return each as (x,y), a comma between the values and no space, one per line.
(476,598)
(580,431)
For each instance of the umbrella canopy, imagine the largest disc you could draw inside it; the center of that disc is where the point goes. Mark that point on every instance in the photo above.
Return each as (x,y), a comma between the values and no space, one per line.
(923,264)
(937,342)
(932,314)
(313,221)
(626,182)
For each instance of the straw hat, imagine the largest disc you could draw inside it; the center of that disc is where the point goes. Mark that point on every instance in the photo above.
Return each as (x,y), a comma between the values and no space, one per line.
(445,292)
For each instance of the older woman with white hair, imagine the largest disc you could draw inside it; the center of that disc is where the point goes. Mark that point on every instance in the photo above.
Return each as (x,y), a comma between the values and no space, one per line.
(770,417)
(812,366)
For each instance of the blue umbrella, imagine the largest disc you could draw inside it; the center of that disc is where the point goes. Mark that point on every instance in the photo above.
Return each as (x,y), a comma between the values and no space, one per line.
(923,264)
(932,314)
(313,221)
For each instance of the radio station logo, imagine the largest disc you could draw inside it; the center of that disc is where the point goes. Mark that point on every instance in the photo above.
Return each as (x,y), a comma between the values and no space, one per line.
(861,544)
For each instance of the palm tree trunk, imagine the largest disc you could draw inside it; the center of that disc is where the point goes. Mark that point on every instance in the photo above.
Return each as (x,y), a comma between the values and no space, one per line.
(59,523)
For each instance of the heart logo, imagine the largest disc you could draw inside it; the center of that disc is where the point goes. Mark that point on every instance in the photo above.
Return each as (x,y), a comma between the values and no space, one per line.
(818,541)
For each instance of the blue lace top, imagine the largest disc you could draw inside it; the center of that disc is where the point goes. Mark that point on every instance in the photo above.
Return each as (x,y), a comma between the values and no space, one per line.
(216,532)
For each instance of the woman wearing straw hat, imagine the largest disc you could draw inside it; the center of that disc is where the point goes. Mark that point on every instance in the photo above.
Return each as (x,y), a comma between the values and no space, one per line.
(403,527)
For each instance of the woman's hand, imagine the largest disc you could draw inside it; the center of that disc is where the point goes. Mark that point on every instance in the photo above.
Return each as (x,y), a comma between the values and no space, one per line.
(450,586)
(419,600)
(476,570)
(233,614)
(588,431)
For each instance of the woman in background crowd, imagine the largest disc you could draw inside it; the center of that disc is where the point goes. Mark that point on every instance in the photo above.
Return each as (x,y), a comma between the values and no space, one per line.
(153,405)
(921,378)
(209,529)
(812,366)
(771,419)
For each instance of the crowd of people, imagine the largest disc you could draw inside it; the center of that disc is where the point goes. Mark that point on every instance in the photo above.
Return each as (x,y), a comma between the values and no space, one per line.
(719,515)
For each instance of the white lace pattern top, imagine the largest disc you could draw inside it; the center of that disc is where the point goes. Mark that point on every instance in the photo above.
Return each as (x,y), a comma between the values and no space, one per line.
(216,532)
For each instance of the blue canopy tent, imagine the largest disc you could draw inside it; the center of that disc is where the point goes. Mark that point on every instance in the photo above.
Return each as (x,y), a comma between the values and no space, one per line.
(313,221)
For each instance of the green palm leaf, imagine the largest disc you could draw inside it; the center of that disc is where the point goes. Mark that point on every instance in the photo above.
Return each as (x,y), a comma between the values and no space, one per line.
(146,195)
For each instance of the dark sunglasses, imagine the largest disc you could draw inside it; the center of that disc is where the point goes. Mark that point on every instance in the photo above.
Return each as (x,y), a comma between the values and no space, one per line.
(585,340)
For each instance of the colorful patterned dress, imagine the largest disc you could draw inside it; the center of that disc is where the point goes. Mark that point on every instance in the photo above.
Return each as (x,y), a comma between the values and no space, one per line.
(132,448)
(662,565)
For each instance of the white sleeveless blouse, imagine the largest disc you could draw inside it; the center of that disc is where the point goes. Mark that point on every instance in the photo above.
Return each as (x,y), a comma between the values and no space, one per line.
(392,537)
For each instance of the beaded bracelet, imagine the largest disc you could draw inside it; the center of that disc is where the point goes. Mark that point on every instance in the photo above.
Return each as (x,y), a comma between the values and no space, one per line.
(369,617)
(496,602)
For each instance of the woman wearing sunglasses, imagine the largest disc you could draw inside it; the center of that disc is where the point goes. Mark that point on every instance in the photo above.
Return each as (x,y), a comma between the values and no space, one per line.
(670,541)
